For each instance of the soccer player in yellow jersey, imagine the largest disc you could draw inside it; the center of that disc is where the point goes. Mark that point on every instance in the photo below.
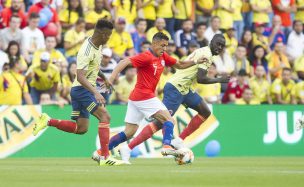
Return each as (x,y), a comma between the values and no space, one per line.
(86,99)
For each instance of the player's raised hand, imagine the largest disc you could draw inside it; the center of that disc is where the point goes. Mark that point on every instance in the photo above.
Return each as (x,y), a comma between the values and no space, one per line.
(99,98)
(202,60)
(224,79)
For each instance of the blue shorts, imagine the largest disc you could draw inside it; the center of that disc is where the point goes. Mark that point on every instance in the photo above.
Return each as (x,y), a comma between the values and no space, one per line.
(83,102)
(173,98)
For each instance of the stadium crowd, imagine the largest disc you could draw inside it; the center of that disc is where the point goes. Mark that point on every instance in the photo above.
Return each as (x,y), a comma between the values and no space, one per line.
(264,55)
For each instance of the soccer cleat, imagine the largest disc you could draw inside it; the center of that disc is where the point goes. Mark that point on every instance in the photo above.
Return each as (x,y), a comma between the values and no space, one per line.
(177,143)
(41,123)
(110,161)
(168,150)
(125,153)
(300,123)
(96,156)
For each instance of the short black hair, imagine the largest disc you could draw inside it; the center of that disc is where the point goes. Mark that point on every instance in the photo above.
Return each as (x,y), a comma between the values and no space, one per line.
(14,16)
(219,39)
(104,24)
(160,36)
(34,15)
(137,21)
(80,21)
(295,22)
(287,69)
(145,42)
(242,45)
(242,73)
(201,24)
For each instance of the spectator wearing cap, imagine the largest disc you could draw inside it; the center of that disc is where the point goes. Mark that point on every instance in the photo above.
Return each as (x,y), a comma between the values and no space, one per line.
(225,12)
(214,28)
(261,10)
(260,86)
(231,41)
(166,10)
(184,36)
(240,60)
(139,35)
(236,87)
(73,40)
(275,32)
(238,22)
(277,60)
(55,55)
(14,10)
(299,93)
(284,9)
(247,98)
(160,25)
(283,88)
(148,10)
(99,12)
(295,42)
(13,86)
(171,49)
(300,11)
(71,14)
(200,34)
(121,41)
(204,9)
(12,32)
(258,38)
(32,37)
(125,9)
(44,78)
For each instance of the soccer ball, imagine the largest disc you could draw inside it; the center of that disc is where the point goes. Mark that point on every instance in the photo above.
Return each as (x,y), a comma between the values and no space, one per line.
(187,158)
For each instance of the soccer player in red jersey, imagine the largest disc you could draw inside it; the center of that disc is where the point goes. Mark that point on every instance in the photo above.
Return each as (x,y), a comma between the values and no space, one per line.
(142,101)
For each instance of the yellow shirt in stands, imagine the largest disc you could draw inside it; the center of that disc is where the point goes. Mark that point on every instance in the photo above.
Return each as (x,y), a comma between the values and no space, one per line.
(73,37)
(207,4)
(225,16)
(93,17)
(184,11)
(64,16)
(152,31)
(299,91)
(237,6)
(243,102)
(286,91)
(300,13)
(10,89)
(274,61)
(89,58)
(299,64)
(208,90)
(120,42)
(124,88)
(162,82)
(231,44)
(44,80)
(164,10)
(124,10)
(261,17)
(183,79)
(263,41)
(239,66)
(55,56)
(260,89)
(149,10)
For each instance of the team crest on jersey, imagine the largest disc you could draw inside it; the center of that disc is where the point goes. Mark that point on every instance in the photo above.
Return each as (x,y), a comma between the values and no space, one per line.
(163,63)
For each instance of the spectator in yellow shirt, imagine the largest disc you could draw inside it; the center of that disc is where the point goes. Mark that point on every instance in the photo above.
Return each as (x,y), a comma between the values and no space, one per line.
(260,86)
(277,60)
(148,8)
(160,25)
(210,92)
(204,9)
(282,89)
(238,23)
(166,9)
(69,16)
(65,84)
(261,9)
(45,78)
(121,41)
(125,85)
(247,98)
(55,55)
(258,38)
(171,49)
(185,10)
(225,12)
(299,92)
(73,40)
(240,60)
(300,10)
(14,53)
(13,86)
(125,9)
(231,41)
(299,67)
(98,13)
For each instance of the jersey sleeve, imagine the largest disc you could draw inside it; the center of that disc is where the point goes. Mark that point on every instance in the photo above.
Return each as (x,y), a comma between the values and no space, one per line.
(169,61)
(139,60)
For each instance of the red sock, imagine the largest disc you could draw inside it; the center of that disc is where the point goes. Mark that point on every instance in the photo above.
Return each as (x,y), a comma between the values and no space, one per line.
(64,125)
(104,136)
(145,134)
(194,124)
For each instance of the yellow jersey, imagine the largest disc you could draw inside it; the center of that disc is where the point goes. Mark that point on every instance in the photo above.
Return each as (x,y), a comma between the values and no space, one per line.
(260,17)
(299,64)
(185,9)
(73,37)
(153,30)
(243,102)
(231,44)
(92,16)
(208,90)
(88,58)
(207,4)
(149,10)
(124,10)
(300,13)
(263,41)
(274,61)
(239,66)
(44,80)
(286,91)
(124,88)
(225,16)
(11,89)
(183,78)
(299,91)
(55,56)
(120,42)
(260,89)
(164,10)
(64,16)
(162,82)
(237,6)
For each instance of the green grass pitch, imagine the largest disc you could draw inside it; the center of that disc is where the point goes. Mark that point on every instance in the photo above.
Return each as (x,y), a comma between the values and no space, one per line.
(215,172)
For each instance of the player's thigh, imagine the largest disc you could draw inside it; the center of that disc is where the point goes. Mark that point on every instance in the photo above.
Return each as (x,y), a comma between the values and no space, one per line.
(130,129)
(102,114)
(172,98)
(133,114)
(197,103)
(163,116)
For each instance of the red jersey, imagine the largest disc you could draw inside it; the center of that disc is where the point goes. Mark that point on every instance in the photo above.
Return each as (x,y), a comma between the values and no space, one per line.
(7,13)
(285,16)
(149,69)
(234,88)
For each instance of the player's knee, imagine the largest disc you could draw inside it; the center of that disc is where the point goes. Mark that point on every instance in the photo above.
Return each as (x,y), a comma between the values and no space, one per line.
(82,130)
(205,113)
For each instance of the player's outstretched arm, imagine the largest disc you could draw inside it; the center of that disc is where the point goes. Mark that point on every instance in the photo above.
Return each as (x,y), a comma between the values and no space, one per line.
(188,63)
(121,66)
(202,78)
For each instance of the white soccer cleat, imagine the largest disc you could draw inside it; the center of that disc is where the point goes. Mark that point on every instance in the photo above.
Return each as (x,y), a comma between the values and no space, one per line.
(125,153)
(96,156)
(177,143)
(300,123)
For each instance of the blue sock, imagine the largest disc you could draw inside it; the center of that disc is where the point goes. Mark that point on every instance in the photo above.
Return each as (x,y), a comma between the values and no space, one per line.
(167,132)
(117,139)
